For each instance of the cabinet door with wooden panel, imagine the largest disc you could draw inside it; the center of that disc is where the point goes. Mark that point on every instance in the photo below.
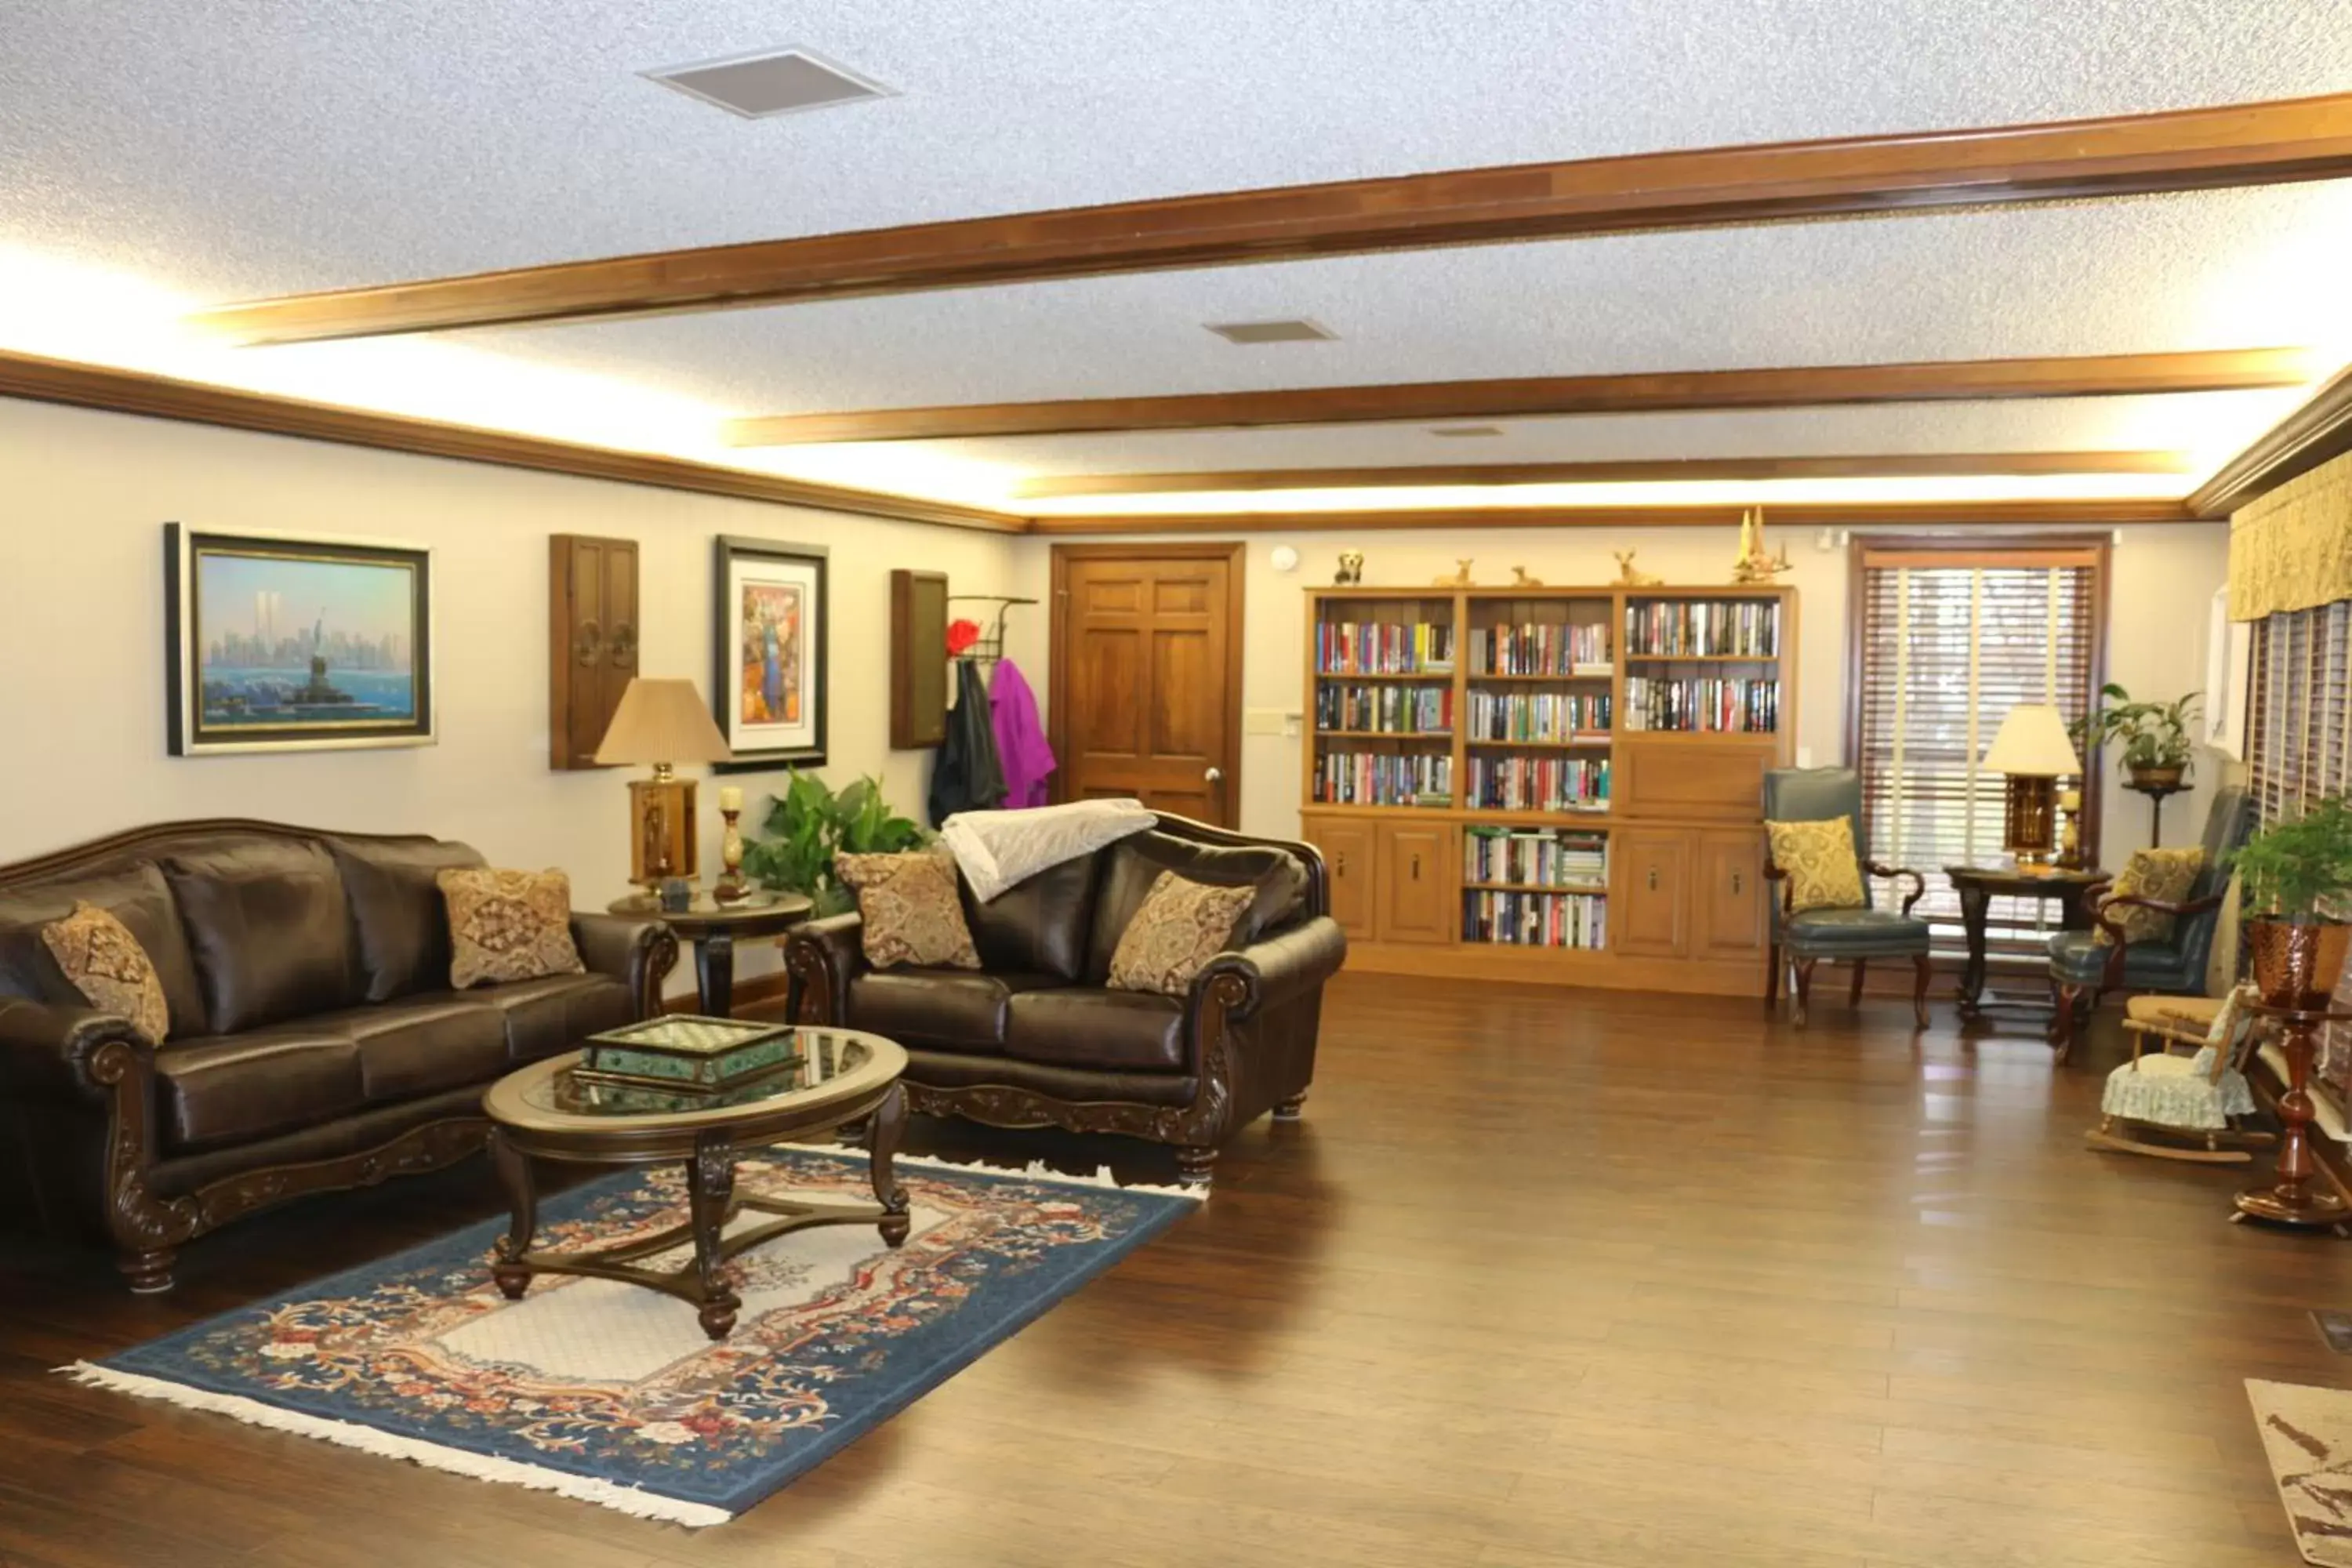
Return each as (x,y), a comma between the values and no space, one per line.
(1684,777)
(1353,868)
(1651,912)
(592,616)
(1416,884)
(1730,892)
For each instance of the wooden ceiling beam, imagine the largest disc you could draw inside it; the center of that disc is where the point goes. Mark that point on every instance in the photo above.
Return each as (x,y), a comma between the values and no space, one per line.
(1912,515)
(1545,396)
(1893,465)
(2179,150)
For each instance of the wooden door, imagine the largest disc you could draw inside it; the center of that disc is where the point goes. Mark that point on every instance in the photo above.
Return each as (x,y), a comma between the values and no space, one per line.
(1146,687)
(1652,896)
(1730,892)
(592,643)
(1415,894)
(1353,868)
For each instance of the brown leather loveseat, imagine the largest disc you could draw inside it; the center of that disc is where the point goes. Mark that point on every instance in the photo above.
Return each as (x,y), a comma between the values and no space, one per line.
(314,1042)
(1034,1038)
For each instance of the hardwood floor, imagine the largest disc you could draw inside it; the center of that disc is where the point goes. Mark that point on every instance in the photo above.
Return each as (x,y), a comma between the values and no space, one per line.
(1544,1278)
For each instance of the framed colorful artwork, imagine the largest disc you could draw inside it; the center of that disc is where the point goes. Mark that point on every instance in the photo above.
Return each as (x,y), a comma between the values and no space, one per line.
(280,644)
(773,619)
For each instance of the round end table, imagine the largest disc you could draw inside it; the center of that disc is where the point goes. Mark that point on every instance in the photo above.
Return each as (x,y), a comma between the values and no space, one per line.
(713,927)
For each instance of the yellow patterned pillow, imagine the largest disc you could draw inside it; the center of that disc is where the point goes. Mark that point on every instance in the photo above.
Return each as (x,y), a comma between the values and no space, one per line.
(1818,859)
(507,925)
(2164,875)
(1181,926)
(109,968)
(907,909)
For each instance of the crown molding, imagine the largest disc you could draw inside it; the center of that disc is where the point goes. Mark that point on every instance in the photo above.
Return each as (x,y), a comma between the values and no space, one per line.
(2178,150)
(2317,432)
(1958,516)
(40,379)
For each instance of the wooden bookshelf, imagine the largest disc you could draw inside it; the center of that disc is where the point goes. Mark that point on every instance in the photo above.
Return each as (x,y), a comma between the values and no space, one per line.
(1543,759)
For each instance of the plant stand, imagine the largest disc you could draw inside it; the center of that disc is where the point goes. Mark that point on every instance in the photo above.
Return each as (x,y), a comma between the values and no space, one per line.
(2291,1200)
(2156,793)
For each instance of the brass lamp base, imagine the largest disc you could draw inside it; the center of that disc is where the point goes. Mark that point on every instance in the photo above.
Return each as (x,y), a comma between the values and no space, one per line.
(2028,829)
(662,836)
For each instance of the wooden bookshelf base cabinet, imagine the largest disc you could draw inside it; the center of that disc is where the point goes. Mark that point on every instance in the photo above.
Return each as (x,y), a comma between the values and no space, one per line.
(1557,785)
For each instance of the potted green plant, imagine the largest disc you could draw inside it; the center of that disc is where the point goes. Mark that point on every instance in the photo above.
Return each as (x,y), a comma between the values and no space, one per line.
(808,824)
(2158,752)
(2289,871)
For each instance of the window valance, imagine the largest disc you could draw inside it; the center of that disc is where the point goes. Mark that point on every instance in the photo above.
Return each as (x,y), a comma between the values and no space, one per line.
(2293,548)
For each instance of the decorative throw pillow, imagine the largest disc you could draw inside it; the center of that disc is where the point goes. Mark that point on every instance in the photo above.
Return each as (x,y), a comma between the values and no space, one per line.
(2164,875)
(1179,926)
(507,925)
(907,909)
(109,968)
(1818,859)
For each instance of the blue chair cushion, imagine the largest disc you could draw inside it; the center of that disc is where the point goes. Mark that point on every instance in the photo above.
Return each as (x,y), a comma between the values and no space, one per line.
(1854,934)
(2075,956)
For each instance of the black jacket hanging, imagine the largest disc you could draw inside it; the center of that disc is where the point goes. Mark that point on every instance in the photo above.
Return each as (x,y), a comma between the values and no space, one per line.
(967,775)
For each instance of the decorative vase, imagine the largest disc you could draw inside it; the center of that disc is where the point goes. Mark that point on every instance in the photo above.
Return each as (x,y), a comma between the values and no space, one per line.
(2155,778)
(2298,962)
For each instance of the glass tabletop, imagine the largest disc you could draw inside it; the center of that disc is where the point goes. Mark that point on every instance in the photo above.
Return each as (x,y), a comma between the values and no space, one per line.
(822,1056)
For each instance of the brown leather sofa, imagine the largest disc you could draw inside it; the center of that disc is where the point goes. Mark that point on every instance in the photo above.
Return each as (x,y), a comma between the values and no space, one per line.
(1034,1039)
(314,1042)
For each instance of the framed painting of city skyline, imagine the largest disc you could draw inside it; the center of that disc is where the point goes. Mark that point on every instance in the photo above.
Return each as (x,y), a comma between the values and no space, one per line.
(276,644)
(767,689)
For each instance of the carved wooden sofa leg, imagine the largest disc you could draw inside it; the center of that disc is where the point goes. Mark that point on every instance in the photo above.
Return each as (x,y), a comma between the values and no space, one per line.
(1291,1110)
(148,1273)
(1196,1163)
(148,1231)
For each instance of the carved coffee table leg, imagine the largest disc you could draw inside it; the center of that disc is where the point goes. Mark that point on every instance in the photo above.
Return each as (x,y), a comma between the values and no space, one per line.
(512,1276)
(882,1148)
(710,1193)
(714,965)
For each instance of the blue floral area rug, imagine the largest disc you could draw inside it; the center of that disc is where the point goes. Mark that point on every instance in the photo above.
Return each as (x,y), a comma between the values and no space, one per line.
(610,1392)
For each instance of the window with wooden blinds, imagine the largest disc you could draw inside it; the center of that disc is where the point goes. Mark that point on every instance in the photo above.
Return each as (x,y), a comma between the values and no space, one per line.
(1945,641)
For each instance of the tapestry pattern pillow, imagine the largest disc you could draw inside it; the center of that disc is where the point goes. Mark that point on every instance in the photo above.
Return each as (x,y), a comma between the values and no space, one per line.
(108,967)
(1818,859)
(2162,874)
(907,909)
(1181,925)
(507,925)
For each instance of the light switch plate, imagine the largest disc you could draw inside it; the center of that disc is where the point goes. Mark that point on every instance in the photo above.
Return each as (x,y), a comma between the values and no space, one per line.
(1263,722)
(1804,756)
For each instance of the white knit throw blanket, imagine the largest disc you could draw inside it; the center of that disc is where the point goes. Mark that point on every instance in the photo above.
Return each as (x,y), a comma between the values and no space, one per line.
(997,849)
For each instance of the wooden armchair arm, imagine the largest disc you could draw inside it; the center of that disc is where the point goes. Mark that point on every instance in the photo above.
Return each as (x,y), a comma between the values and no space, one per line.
(1919,882)
(2099,906)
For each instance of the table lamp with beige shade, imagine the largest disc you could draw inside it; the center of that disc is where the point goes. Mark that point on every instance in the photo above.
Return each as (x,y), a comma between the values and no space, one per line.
(663,722)
(2034,749)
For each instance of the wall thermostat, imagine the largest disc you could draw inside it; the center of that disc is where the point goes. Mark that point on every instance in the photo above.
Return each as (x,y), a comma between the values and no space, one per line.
(1285,558)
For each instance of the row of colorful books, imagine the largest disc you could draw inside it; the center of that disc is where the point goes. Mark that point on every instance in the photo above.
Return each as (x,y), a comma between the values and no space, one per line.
(1534,857)
(1538,715)
(1368,778)
(1394,710)
(1535,920)
(1745,706)
(1725,627)
(1539,648)
(1539,784)
(1383,648)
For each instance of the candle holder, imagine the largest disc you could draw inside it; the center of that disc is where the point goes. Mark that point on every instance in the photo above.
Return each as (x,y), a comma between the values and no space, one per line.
(730,887)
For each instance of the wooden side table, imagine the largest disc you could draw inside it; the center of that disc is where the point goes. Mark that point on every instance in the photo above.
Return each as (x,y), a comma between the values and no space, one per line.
(1977,886)
(2292,1199)
(713,927)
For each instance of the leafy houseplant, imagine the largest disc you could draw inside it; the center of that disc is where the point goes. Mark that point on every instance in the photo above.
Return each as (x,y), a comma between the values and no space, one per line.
(808,824)
(2289,870)
(2157,747)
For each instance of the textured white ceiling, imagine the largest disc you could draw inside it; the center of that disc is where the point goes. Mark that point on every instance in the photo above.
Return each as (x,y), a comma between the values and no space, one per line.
(232,148)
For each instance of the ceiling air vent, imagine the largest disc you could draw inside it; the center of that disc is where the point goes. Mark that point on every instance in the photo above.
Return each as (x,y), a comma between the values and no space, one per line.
(776,81)
(1464,432)
(1299,331)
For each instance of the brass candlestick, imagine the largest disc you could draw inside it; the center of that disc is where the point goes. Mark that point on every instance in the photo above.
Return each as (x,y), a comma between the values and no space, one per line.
(730,885)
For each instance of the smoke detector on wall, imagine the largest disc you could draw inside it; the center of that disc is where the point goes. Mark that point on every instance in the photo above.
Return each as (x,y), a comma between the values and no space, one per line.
(771,82)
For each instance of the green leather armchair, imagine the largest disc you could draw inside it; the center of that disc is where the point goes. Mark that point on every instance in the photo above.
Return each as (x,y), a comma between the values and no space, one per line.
(1801,939)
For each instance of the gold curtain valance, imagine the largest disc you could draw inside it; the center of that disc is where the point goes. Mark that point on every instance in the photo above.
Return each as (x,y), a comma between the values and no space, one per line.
(2293,548)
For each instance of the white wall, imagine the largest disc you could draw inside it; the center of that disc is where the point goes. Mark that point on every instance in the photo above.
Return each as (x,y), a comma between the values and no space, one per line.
(83,498)
(2163,578)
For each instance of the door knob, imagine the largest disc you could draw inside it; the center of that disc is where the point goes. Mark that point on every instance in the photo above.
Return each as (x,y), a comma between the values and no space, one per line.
(1215,776)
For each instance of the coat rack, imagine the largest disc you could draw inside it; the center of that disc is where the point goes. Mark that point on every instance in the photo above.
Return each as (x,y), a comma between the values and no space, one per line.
(991,645)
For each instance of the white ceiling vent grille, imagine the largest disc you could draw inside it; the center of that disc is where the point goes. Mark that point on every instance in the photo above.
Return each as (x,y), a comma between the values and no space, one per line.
(1465,432)
(776,81)
(1299,331)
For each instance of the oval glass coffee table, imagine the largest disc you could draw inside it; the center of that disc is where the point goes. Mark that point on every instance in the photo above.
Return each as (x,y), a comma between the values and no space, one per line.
(547,1112)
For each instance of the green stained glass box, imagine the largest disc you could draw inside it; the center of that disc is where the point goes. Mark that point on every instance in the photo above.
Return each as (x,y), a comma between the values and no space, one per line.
(688,1054)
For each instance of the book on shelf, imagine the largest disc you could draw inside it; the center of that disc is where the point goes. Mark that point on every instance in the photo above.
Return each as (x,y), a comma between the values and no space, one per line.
(1743,706)
(1541,648)
(1576,921)
(1371,778)
(1539,784)
(1723,628)
(1535,856)
(1389,709)
(1383,648)
(1551,715)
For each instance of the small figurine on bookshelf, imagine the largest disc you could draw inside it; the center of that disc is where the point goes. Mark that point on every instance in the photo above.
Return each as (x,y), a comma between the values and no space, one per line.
(1755,565)
(1351,569)
(1461,578)
(1519,579)
(1629,578)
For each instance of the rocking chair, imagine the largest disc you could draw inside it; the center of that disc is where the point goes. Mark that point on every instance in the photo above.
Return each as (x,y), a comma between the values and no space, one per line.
(2176,1107)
